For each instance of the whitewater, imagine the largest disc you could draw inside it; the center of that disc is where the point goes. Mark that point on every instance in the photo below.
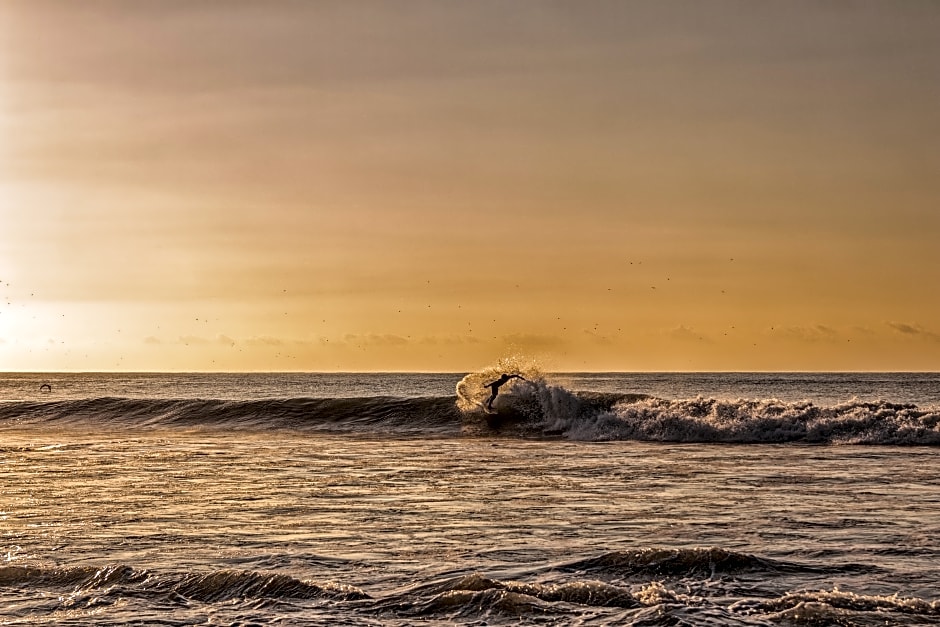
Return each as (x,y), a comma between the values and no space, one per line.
(391,499)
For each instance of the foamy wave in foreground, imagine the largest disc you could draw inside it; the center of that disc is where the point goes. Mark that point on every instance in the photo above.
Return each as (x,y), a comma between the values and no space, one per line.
(644,587)
(648,603)
(210,587)
(837,607)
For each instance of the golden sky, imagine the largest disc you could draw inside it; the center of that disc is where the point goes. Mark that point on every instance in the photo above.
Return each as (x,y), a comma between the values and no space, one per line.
(431,185)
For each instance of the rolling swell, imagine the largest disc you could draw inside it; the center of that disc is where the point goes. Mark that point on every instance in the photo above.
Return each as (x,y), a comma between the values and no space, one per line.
(380,414)
(708,562)
(208,587)
(648,600)
(473,595)
(533,410)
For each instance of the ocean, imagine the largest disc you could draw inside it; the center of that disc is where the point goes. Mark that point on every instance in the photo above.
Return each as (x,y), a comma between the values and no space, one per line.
(396,499)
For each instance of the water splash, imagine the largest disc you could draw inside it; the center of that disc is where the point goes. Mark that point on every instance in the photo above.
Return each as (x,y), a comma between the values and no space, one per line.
(472,391)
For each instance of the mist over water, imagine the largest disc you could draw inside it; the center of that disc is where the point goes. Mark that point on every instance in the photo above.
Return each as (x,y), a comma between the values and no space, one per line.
(737,499)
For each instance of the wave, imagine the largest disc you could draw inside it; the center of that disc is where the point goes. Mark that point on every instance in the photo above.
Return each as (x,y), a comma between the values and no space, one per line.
(647,602)
(473,595)
(531,408)
(210,587)
(763,421)
(540,407)
(695,562)
(835,606)
(671,587)
(371,414)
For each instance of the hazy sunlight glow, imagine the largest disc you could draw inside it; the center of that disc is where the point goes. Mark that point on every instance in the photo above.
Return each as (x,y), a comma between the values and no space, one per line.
(353,186)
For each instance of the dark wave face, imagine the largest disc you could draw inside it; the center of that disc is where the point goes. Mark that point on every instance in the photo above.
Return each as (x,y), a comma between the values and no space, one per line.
(430,416)
(529,409)
(211,587)
(679,563)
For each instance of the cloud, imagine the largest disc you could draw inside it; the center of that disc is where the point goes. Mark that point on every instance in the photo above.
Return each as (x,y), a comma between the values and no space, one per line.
(686,334)
(812,333)
(375,339)
(450,340)
(533,341)
(264,340)
(187,340)
(914,331)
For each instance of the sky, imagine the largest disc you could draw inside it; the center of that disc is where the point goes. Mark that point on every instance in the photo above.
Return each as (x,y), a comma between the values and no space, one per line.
(433,185)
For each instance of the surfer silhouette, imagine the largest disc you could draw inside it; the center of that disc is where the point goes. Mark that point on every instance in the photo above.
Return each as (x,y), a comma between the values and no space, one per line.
(494,388)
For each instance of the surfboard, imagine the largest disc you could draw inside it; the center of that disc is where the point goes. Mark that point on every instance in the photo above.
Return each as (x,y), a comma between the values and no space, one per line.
(490,415)
(499,416)
(492,420)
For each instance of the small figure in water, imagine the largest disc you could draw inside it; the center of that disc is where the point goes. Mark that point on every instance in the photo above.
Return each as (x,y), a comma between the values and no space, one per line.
(495,385)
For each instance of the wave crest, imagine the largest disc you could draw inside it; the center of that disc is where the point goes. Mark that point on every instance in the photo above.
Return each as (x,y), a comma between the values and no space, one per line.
(539,407)
(532,408)
(834,604)
(475,594)
(212,586)
(676,563)
(370,414)
(764,421)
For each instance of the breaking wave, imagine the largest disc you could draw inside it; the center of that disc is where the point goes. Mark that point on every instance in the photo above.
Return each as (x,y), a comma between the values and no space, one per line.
(837,607)
(759,421)
(529,408)
(535,406)
(209,587)
(643,587)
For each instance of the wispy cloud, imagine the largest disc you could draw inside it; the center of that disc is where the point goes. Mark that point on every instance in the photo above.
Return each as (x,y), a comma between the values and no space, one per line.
(685,333)
(264,340)
(375,339)
(533,341)
(187,340)
(450,340)
(810,333)
(914,331)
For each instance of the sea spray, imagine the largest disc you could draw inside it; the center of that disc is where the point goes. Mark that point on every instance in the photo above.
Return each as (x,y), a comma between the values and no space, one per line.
(472,391)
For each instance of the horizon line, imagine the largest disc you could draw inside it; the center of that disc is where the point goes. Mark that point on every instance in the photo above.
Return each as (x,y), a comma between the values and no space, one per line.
(37,372)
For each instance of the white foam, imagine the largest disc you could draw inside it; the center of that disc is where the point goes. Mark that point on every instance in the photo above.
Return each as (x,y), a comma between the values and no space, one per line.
(555,409)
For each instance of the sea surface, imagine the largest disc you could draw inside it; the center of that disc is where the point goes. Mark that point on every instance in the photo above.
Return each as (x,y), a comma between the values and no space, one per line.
(395,499)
